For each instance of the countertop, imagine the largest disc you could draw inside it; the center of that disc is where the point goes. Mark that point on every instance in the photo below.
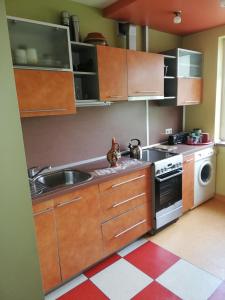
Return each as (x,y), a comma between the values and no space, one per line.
(127,165)
(190,149)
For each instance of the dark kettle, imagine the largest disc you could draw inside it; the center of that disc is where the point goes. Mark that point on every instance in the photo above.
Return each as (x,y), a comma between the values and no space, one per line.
(135,149)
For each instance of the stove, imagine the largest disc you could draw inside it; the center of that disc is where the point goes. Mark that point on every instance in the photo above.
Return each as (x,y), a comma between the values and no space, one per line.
(166,185)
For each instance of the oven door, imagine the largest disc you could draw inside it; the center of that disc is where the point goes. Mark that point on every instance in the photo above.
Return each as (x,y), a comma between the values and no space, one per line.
(168,189)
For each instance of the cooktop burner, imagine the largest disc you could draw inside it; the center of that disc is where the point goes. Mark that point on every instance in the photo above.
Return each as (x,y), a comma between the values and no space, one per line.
(154,155)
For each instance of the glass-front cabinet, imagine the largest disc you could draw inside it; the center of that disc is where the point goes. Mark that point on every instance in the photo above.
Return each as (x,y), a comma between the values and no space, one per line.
(183,77)
(189,63)
(39,45)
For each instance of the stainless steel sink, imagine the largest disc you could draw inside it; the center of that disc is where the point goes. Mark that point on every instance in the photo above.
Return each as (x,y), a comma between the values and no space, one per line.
(63,178)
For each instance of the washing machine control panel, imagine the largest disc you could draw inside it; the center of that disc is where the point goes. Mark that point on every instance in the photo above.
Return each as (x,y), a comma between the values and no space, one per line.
(204,153)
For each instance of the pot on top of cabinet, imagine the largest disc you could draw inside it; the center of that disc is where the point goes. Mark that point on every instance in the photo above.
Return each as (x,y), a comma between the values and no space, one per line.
(135,149)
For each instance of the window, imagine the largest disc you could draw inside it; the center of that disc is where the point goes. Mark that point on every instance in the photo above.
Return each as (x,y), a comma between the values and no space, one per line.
(220,94)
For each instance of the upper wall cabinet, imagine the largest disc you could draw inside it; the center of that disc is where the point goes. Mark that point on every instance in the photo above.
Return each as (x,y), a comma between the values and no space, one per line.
(42,93)
(112,73)
(145,75)
(39,45)
(43,68)
(183,78)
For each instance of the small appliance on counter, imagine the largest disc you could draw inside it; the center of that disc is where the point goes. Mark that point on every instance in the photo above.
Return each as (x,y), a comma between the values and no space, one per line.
(178,138)
(135,149)
(114,154)
(197,137)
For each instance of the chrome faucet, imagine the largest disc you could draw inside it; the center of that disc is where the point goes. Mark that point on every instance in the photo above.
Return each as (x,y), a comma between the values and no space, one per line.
(34,172)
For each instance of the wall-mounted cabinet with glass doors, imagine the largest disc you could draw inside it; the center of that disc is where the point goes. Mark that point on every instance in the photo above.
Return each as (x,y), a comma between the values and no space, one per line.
(42,66)
(183,76)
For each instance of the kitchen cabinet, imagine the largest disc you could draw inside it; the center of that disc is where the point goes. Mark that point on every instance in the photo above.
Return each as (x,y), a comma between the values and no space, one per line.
(42,92)
(112,73)
(85,72)
(183,76)
(125,228)
(42,64)
(46,238)
(126,209)
(78,230)
(39,45)
(145,74)
(188,183)
(189,91)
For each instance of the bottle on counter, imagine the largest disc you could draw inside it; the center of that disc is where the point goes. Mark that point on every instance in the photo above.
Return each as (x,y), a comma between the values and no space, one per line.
(114,154)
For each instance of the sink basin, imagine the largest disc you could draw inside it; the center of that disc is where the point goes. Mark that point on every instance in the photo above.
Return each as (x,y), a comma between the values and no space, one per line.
(64,178)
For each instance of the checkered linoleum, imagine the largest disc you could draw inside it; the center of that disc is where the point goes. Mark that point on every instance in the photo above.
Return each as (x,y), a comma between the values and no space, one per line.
(143,270)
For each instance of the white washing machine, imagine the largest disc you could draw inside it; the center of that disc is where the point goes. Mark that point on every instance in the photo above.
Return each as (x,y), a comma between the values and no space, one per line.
(205,170)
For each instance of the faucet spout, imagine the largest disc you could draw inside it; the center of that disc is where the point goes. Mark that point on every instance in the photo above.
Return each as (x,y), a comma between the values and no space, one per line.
(34,173)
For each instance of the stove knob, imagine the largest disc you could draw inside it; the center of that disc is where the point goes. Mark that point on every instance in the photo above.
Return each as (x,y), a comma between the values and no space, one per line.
(157,172)
(161,170)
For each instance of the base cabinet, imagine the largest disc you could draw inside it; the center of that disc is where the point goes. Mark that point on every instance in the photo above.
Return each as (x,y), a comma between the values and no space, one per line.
(188,183)
(78,229)
(46,237)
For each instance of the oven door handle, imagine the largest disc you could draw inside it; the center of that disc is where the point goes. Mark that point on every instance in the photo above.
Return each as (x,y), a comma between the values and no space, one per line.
(171,176)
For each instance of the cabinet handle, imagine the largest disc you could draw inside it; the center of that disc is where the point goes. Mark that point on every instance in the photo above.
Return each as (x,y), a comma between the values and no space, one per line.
(115,96)
(130,228)
(43,211)
(127,200)
(60,204)
(127,181)
(150,92)
(189,160)
(43,110)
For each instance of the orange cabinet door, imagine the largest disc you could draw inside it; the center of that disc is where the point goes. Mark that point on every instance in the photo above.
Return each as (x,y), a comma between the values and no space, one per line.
(188,183)
(112,73)
(78,230)
(145,73)
(42,93)
(189,91)
(47,247)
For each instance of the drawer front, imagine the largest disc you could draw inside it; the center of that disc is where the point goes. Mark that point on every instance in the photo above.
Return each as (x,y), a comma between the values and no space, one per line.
(75,196)
(120,231)
(126,192)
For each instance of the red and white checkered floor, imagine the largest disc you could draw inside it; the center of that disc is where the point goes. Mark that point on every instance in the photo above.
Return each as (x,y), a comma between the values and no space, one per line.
(143,270)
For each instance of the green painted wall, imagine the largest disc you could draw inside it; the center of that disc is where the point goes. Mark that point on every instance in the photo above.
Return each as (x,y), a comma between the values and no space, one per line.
(19,269)
(90,20)
(203,115)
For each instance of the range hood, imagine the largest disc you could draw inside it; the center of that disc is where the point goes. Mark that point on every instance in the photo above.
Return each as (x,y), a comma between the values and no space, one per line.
(90,103)
(144,98)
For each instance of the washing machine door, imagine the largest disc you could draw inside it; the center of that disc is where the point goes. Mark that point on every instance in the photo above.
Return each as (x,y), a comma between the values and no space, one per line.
(205,173)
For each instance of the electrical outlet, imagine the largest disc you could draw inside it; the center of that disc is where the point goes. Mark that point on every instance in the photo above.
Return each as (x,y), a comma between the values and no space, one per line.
(168,130)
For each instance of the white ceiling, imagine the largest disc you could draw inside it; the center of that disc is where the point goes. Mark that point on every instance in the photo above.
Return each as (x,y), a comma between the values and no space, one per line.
(96,3)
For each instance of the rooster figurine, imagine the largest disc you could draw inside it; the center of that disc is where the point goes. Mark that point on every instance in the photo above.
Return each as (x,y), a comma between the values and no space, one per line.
(114,153)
